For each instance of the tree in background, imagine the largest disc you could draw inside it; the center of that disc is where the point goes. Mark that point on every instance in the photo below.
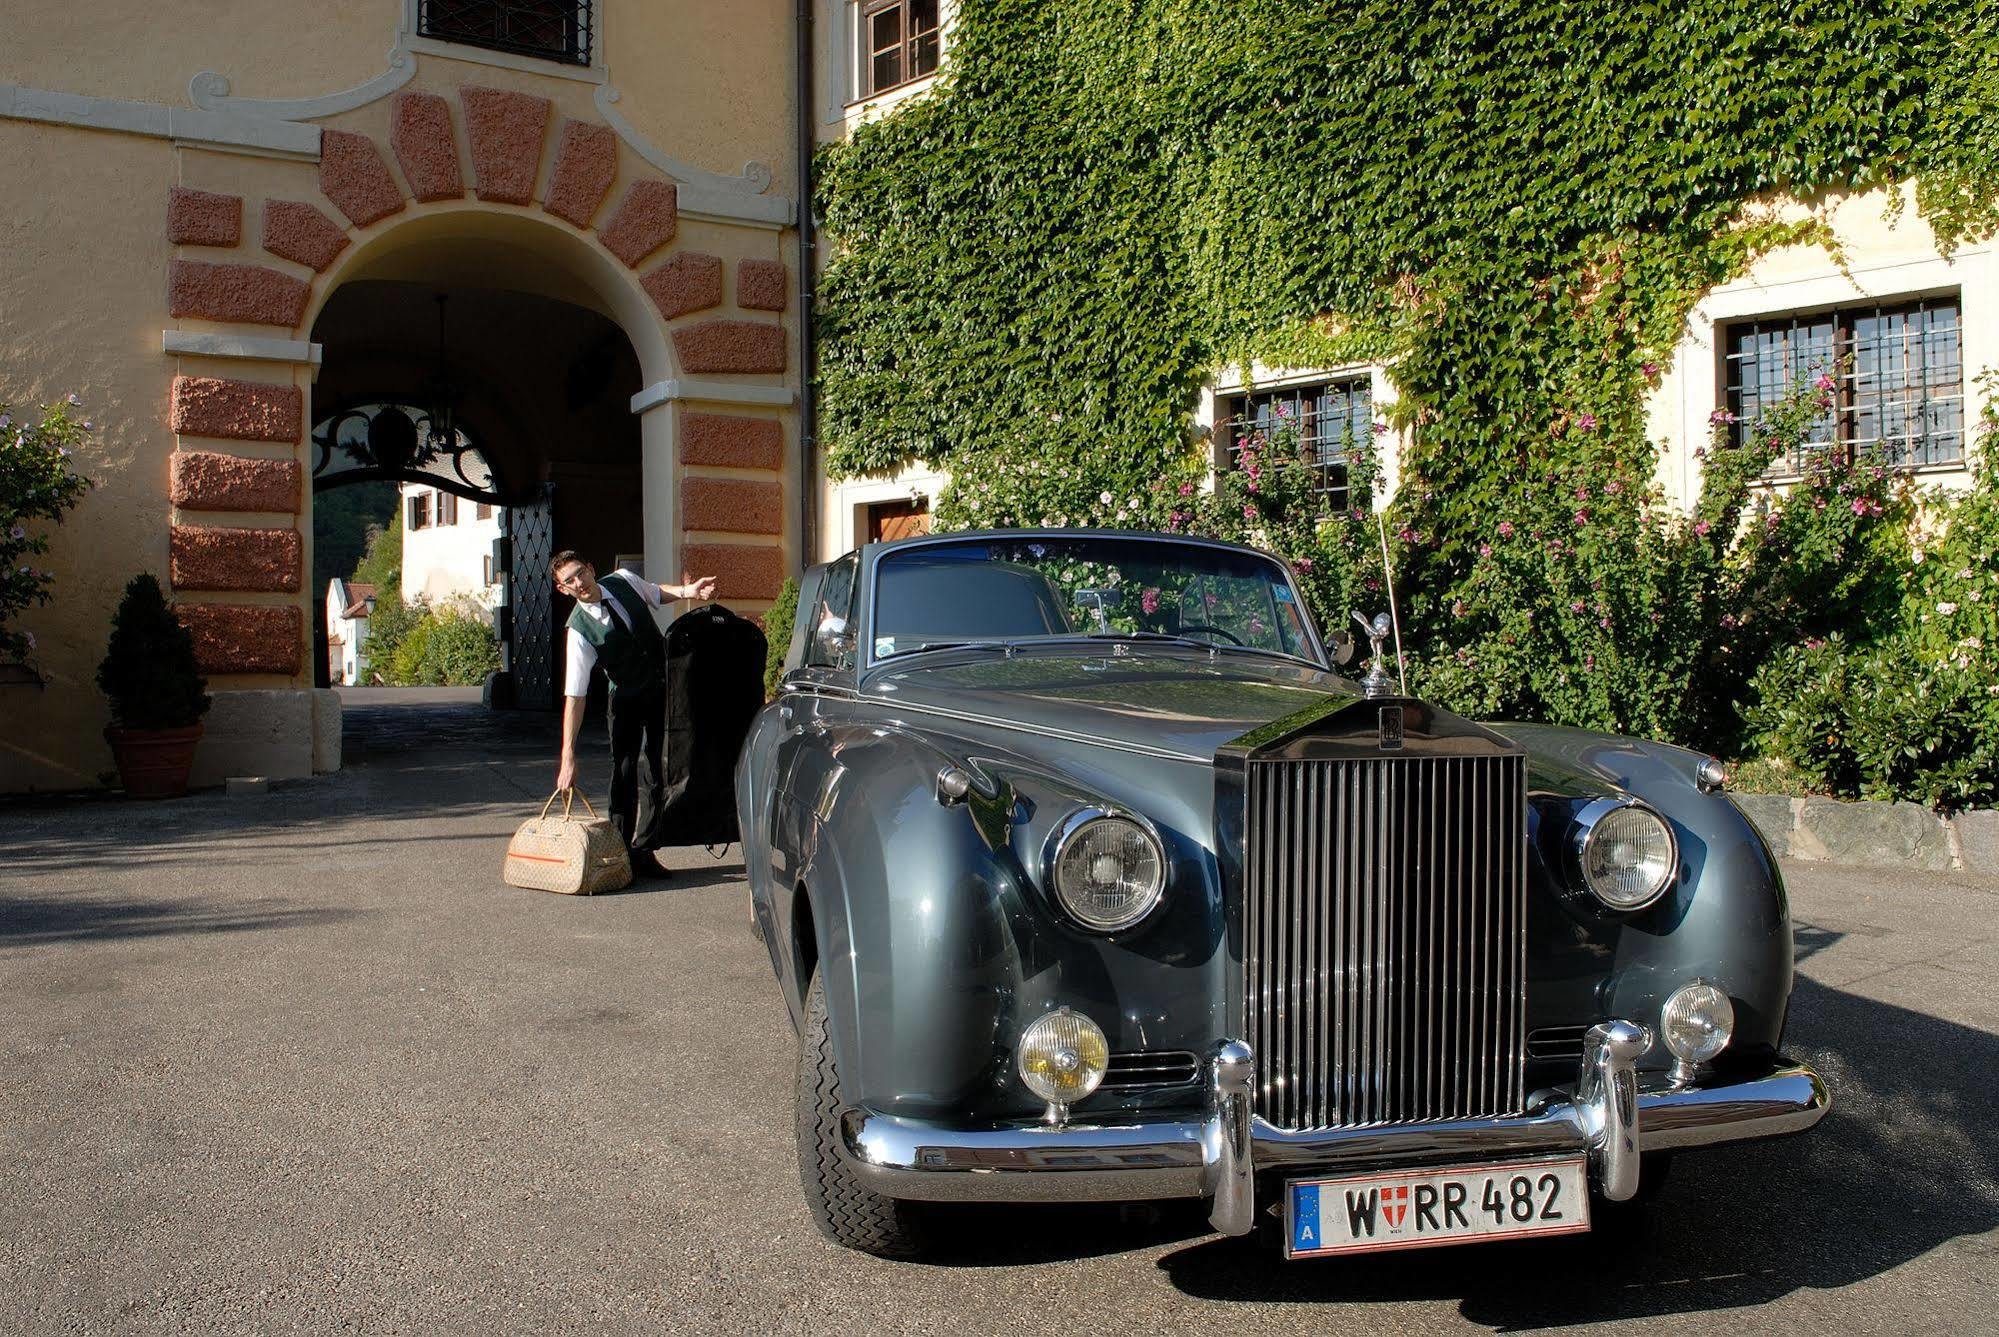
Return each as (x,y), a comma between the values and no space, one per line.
(344,521)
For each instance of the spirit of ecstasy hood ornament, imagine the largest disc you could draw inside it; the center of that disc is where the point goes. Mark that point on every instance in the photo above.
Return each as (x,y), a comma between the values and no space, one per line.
(1376,682)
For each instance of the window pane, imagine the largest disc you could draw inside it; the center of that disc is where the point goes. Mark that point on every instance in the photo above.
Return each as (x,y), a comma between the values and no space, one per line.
(923,56)
(887,70)
(885,30)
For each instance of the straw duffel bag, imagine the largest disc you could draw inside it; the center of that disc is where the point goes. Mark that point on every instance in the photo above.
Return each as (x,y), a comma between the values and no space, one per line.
(576,856)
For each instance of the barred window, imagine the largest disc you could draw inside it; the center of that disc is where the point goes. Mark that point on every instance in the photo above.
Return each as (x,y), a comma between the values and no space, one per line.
(547,29)
(1898,380)
(1330,420)
(899,43)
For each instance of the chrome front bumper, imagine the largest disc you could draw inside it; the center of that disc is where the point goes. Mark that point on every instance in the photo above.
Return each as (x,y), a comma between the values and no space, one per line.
(1608,1116)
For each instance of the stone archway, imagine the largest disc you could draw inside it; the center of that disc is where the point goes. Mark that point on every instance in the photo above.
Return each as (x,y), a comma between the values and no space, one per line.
(603,231)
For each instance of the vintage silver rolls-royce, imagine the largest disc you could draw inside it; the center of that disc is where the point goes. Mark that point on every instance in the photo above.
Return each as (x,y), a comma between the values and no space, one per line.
(1085,875)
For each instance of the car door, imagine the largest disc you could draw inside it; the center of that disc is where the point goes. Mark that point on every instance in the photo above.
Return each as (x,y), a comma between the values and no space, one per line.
(803,761)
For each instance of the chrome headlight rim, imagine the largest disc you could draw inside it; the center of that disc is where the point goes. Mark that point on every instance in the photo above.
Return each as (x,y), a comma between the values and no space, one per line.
(1071,827)
(1587,825)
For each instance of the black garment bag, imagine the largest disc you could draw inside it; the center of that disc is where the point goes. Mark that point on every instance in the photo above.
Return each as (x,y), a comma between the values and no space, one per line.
(714,688)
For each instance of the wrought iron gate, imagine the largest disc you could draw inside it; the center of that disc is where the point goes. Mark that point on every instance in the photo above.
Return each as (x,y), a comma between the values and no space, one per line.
(530,597)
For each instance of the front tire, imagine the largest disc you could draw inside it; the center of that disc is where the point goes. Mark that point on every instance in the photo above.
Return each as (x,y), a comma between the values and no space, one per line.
(845,1211)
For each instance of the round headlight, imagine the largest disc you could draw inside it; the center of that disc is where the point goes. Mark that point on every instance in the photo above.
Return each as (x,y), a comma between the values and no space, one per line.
(1062,1057)
(1626,853)
(1697,1023)
(1108,871)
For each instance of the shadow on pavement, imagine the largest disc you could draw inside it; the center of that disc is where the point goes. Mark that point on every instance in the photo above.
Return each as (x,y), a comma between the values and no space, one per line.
(32,920)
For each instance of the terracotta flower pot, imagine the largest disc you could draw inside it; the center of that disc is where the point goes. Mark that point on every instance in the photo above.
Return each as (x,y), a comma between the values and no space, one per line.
(154,763)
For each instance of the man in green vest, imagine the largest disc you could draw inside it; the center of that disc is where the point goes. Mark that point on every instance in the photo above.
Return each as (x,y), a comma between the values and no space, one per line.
(613,625)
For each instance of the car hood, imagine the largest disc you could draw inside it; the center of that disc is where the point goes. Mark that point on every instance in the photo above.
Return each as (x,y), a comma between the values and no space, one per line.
(1178,703)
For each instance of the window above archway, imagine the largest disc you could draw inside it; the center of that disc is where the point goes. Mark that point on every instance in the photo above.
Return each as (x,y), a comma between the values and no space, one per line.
(556,30)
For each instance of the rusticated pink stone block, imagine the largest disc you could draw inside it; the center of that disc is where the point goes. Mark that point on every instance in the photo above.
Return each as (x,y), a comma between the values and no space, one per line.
(687,282)
(763,285)
(730,346)
(353,175)
(586,159)
(297,231)
(237,410)
(202,218)
(741,570)
(645,220)
(734,505)
(505,131)
(728,441)
(420,136)
(203,480)
(249,293)
(201,557)
(244,638)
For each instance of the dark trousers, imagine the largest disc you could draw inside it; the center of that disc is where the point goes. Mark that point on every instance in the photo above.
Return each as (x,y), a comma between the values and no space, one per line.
(638,730)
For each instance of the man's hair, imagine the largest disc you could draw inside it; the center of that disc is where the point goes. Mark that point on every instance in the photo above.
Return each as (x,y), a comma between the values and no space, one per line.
(562,559)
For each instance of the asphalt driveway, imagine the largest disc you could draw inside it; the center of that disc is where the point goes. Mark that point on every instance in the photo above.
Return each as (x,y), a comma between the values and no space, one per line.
(301,1062)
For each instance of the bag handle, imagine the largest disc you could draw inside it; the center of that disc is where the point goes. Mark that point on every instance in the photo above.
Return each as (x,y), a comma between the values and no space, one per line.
(568,797)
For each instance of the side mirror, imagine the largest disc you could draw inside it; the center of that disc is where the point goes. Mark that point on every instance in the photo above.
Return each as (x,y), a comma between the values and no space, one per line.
(1343,648)
(836,639)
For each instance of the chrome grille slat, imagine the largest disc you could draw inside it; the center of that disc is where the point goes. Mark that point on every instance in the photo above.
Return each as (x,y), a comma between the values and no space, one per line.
(1384,926)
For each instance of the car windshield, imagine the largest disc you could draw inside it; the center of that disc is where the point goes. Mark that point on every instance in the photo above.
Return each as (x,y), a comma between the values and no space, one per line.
(1001,590)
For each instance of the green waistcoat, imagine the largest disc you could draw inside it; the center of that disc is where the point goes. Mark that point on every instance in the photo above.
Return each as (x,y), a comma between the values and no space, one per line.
(633,660)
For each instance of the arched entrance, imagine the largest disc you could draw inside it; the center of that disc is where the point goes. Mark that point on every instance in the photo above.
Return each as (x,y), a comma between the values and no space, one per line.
(533,377)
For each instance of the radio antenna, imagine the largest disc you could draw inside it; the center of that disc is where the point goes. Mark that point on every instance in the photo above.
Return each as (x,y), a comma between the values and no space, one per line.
(1394,617)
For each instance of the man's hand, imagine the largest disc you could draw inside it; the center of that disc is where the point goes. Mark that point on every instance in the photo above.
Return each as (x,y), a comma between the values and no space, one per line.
(565,774)
(701,587)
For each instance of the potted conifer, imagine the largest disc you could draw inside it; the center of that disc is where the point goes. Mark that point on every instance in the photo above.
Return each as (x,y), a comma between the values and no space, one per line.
(157,694)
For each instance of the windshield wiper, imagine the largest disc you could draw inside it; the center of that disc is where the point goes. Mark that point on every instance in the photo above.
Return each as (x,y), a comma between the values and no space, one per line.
(928,646)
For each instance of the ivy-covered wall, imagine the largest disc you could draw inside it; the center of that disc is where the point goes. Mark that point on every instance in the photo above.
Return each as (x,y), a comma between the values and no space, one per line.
(1513,203)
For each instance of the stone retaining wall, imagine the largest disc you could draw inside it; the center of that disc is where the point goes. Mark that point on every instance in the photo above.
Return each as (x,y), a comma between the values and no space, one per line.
(1891,835)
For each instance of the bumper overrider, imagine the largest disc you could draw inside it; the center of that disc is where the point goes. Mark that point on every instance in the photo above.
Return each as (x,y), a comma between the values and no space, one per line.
(1608,1116)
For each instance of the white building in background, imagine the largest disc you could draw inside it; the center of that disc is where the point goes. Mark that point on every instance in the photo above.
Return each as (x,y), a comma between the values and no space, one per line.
(448,548)
(348,606)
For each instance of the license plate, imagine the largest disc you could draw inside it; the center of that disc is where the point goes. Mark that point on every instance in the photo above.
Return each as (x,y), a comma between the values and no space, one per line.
(1414,1208)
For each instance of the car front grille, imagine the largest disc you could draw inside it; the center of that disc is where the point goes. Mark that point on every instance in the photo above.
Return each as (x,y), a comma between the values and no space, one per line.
(1137,1070)
(1385,913)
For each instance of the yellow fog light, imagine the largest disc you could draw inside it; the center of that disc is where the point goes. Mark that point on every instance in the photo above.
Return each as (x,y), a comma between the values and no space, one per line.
(1062,1057)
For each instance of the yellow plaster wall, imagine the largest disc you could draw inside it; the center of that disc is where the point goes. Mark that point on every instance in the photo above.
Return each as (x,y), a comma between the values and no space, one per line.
(83,273)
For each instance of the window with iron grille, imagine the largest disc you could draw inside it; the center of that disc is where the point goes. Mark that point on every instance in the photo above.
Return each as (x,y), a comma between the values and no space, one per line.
(1329,422)
(420,511)
(1897,380)
(899,43)
(547,29)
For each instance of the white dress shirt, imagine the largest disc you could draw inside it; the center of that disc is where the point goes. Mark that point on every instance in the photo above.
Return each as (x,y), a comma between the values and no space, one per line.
(582,654)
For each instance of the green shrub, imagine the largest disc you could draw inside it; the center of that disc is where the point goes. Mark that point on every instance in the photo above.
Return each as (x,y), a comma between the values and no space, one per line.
(777,632)
(447,647)
(1802,714)
(149,670)
(35,484)
(388,625)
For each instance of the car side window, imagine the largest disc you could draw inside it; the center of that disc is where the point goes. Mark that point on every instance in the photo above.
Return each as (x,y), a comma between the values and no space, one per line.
(831,644)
